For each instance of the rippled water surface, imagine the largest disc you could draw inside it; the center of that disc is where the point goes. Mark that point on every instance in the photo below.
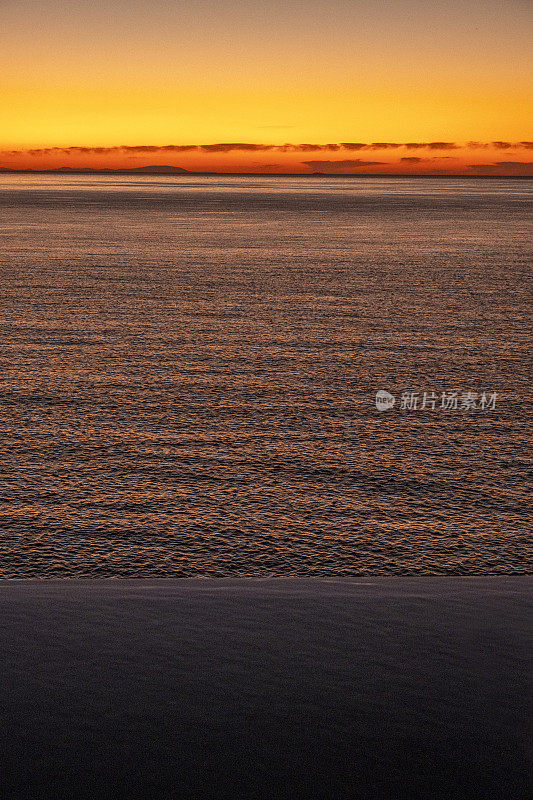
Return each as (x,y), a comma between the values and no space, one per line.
(189,367)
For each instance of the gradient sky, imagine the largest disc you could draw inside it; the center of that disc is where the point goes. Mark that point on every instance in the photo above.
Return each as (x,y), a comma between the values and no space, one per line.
(148,75)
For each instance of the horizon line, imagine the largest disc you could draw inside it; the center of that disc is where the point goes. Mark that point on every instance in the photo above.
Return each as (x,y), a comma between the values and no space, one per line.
(175,171)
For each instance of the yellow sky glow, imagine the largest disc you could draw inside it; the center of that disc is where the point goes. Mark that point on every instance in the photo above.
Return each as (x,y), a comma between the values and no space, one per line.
(117,74)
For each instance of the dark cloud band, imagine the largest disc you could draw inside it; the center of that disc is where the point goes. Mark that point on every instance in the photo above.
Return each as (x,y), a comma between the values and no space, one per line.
(524,168)
(339,165)
(228,147)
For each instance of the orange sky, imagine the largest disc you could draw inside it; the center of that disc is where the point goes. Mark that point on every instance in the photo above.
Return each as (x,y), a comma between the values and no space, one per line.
(127,74)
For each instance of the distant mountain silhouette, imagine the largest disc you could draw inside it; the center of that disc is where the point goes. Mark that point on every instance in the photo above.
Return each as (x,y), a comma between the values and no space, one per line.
(155,169)
(158,169)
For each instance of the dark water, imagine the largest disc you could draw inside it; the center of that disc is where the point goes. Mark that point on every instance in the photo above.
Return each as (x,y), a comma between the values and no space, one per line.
(188,372)
(348,689)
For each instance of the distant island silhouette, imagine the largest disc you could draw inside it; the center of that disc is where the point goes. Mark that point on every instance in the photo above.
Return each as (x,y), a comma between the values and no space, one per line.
(164,169)
(155,169)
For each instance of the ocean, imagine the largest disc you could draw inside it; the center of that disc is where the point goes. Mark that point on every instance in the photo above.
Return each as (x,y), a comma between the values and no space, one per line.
(189,369)
(411,688)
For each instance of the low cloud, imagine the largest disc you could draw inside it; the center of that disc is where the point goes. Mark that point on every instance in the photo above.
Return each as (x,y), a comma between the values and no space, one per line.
(252,147)
(413,159)
(505,167)
(228,148)
(306,148)
(353,145)
(76,150)
(431,146)
(396,145)
(340,165)
(166,148)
